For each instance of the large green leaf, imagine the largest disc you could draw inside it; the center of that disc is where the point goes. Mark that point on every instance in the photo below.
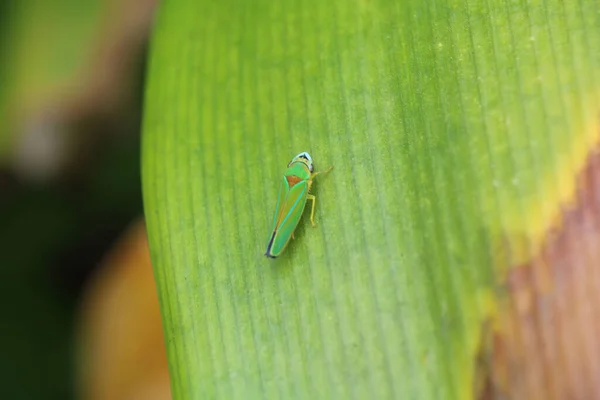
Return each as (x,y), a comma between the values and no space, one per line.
(455,128)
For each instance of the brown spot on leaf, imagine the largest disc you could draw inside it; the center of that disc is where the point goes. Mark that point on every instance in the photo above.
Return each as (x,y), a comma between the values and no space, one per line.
(545,343)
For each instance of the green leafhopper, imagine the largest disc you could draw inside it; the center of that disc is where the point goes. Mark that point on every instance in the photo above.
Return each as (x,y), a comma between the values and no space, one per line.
(293,195)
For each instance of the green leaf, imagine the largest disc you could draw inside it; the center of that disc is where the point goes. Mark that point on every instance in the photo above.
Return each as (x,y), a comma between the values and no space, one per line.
(455,128)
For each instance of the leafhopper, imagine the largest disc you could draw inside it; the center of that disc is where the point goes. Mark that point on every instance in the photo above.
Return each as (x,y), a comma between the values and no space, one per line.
(294,193)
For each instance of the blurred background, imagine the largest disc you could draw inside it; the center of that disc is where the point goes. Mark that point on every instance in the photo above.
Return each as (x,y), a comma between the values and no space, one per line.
(80,314)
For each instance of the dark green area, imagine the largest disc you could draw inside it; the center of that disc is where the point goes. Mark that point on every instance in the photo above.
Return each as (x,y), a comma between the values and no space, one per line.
(54,234)
(52,238)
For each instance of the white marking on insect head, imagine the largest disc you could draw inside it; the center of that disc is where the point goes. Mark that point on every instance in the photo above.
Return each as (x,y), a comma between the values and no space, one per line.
(304,154)
(307,156)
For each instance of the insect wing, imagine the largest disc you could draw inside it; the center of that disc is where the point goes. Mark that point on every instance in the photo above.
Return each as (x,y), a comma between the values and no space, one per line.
(284,188)
(290,212)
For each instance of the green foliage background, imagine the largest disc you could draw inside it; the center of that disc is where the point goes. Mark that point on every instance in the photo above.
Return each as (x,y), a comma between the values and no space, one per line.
(43,45)
(455,128)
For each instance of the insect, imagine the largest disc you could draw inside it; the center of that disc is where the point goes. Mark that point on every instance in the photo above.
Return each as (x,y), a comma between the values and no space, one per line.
(293,195)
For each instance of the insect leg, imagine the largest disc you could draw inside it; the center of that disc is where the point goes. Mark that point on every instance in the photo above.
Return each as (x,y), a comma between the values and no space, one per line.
(322,172)
(312,211)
